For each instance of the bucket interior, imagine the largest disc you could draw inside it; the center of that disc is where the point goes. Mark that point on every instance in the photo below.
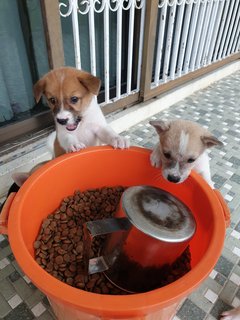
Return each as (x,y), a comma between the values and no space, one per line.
(100,167)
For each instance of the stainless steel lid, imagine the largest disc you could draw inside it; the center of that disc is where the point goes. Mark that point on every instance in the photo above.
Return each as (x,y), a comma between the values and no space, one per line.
(158,213)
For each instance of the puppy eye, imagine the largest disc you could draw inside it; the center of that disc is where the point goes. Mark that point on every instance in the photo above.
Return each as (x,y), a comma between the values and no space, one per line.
(74,100)
(190,160)
(52,101)
(167,155)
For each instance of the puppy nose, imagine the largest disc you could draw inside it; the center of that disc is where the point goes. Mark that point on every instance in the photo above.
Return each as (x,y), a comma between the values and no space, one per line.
(172,178)
(62,121)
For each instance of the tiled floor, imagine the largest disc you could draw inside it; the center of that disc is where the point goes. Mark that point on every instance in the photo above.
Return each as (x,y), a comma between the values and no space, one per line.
(218,108)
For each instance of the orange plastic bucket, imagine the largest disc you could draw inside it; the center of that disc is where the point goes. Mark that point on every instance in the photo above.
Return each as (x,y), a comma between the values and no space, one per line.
(104,166)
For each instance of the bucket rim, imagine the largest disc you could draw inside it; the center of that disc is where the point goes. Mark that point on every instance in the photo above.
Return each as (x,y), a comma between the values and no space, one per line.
(114,304)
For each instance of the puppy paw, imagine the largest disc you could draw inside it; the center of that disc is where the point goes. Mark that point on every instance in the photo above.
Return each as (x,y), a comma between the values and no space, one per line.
(120,143)
(76,147)
(155,159)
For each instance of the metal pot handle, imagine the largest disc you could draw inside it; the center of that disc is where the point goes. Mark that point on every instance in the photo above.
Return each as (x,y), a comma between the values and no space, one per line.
(95,228)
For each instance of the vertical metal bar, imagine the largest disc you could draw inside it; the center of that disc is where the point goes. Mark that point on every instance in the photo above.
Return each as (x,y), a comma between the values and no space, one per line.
(176,40)
(119,50)
(234,47)
(191,36)
(184,38)
(226,27)
(215,31)
(219,37)
(130,46)
(76,39)
(235,33)
(203,35)
(161,33)
(211,27)
(198,35)
(169,41)
(141,46)
(230,32)
(92,41)
(238,44)
(148,47)
(106,52)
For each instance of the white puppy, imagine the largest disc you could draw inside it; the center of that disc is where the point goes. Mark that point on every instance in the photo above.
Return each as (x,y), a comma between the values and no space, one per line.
(71,95)
(182,147)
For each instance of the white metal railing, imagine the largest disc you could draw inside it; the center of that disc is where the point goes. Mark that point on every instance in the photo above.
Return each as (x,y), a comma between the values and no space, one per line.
(204,31)
(75,8)
(190,34)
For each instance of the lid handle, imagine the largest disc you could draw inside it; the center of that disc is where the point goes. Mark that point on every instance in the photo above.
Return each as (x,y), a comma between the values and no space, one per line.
(95,228)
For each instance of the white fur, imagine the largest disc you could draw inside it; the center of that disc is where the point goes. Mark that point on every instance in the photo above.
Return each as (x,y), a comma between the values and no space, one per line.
(202,166)
(155,156)
(92,130)
(184,138)
(50,142)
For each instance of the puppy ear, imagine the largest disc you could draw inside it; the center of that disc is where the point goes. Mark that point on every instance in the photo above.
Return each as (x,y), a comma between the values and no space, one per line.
(210,141)
(20,177)
(38,89)
(89,81)
(160,125)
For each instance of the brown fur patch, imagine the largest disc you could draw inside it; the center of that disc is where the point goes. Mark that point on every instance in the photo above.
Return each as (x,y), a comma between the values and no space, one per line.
(64,83)
(60,85)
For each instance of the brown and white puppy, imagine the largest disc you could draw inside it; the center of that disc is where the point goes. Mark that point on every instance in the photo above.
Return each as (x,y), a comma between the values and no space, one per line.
(182,147)
(71,95)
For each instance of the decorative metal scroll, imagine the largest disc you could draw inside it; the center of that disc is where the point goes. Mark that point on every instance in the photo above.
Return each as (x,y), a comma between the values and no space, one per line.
(83,6)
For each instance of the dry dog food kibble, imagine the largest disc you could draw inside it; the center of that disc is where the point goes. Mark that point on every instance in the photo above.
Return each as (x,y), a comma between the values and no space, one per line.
(59,245)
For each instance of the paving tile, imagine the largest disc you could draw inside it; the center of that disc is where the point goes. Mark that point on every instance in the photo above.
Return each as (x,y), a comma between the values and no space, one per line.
(227,254)
(189,311)
(235,278)
(211,296)
(36,297)
(5,308)
(236,302)
(210,317)
(17,268)
(224,266)
(21,312)
(38,309)
(46,316)
(219,307)
(6,289)
(14,276)
(5,252)
(228,292)
(220,279)
(22,288)
(6,272)
(238,293)
(4,244)
(14,301)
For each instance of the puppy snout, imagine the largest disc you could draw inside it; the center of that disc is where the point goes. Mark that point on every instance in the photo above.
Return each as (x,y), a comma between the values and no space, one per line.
(62,121)
(174,179)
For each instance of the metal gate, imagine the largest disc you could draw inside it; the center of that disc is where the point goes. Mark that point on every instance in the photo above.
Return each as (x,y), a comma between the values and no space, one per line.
(166,40)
